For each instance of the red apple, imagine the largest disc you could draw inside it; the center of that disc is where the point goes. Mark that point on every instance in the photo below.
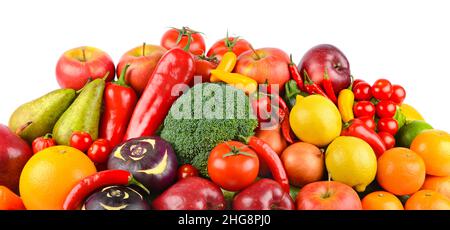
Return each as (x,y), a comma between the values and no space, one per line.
(326,56)
(142,60)
(14,153)
(266,64)
(77,65)
(328,195)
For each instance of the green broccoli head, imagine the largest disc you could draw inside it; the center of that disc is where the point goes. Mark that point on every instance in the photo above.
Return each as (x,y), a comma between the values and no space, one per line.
(204,116)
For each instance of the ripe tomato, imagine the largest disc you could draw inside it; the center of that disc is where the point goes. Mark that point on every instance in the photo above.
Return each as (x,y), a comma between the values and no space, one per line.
(398,94)
(388,124)
(186,171)
(362,91)
(388,139)
(80,140)
(382,89)
(368,121)
(220,47)
(357,81)
(99,151)
(204,65)
(44,142)
(179,38)
(386,109)
(364,108)
(233,165)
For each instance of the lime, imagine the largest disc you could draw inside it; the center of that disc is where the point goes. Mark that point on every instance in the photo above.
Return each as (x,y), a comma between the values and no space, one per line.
(409,131)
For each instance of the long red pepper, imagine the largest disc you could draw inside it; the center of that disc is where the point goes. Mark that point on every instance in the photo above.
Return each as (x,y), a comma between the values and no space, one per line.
(97,181)
(295,74)
(357,128)
(328,87)
(176,67)
(268,155)
(311,87)
(285,125)
(119,100)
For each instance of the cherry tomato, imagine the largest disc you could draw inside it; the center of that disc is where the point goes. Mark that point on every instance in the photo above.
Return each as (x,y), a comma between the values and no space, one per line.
(179,38)
(219,48)
(382,89)
(81,140)
(398,94)
(44,142)
(186,171)
(388,139)
(386,109)
(362,91)
(388,124)
(357,81)
(233,165)
(204,65)
(364,108)
(368,121)
(99,151)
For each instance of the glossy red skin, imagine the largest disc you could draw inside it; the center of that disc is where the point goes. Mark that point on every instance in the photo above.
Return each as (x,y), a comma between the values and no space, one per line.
(388,139)
(119,102)
(73,73)
(42,143)
(99,151)
(232,173)
(81,141)
(386,109)
(197,46)
(364,108)
(186,171)
(357,81)
(218,49)
(398,94)
(175,67)
(357,128)
(203,69)
(14,153)
(382,89)
(328,195)
(327,56)
(141,67)
(272,66)
(265,194)
(192,193)
(369,122)
(362,91)
(388,125)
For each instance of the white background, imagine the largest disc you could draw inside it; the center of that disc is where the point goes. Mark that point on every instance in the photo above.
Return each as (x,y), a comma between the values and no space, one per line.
(407,42)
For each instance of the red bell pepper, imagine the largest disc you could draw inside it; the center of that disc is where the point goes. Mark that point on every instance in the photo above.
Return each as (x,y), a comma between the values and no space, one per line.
(175,67)
(357,128)
(119,100)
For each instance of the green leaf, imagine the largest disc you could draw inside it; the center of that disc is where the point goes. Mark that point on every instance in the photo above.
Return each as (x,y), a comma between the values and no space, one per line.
(400,117)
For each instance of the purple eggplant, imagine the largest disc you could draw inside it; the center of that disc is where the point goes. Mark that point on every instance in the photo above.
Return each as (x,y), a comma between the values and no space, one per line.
(151,160)
(116,198)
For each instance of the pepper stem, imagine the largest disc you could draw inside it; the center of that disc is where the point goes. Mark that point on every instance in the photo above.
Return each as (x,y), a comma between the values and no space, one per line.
(48,136)
(133,181)
(121,80)
(291,62)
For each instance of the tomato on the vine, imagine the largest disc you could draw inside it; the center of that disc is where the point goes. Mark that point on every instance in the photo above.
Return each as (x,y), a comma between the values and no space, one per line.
(368,121)
(386,109)
(382,89)
(388,124)
(219,48)
(398,94)
(81,140)
(362,91)
(179,38)
(233,165)
(186,171)
(204,65)
(364,108)
(99,151)
(388,139)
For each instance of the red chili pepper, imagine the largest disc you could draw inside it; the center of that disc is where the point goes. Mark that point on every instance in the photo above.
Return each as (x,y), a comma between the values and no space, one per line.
(285,125)
(311,87)
(328,86)
(94,182)
(295,74)
(270,157)
(357,128)
(44,142)
(176,67)
(119,99)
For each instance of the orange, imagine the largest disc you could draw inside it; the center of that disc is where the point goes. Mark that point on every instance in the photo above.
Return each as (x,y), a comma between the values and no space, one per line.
(427,200)
(438,184)
(400,171)
(434,148)
(49,176)
(381,200)
(9,200)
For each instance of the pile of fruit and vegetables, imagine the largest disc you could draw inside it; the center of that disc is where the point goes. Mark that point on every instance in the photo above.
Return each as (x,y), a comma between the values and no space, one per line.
(178,127)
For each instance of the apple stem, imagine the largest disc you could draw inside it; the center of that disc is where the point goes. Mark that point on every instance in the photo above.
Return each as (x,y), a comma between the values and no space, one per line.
(143,49)
(256,54)
(83,51)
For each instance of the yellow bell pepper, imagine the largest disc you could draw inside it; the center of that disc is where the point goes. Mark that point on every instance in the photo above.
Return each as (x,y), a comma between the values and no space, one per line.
(226,64)
(345,104)
(239,81)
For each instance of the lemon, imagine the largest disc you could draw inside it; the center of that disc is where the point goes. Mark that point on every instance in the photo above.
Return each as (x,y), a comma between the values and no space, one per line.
(411,113)
(315,120)
(352,161)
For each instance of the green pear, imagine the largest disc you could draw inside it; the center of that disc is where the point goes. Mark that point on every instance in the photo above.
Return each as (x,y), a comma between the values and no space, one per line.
(83,115)
(37,118)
